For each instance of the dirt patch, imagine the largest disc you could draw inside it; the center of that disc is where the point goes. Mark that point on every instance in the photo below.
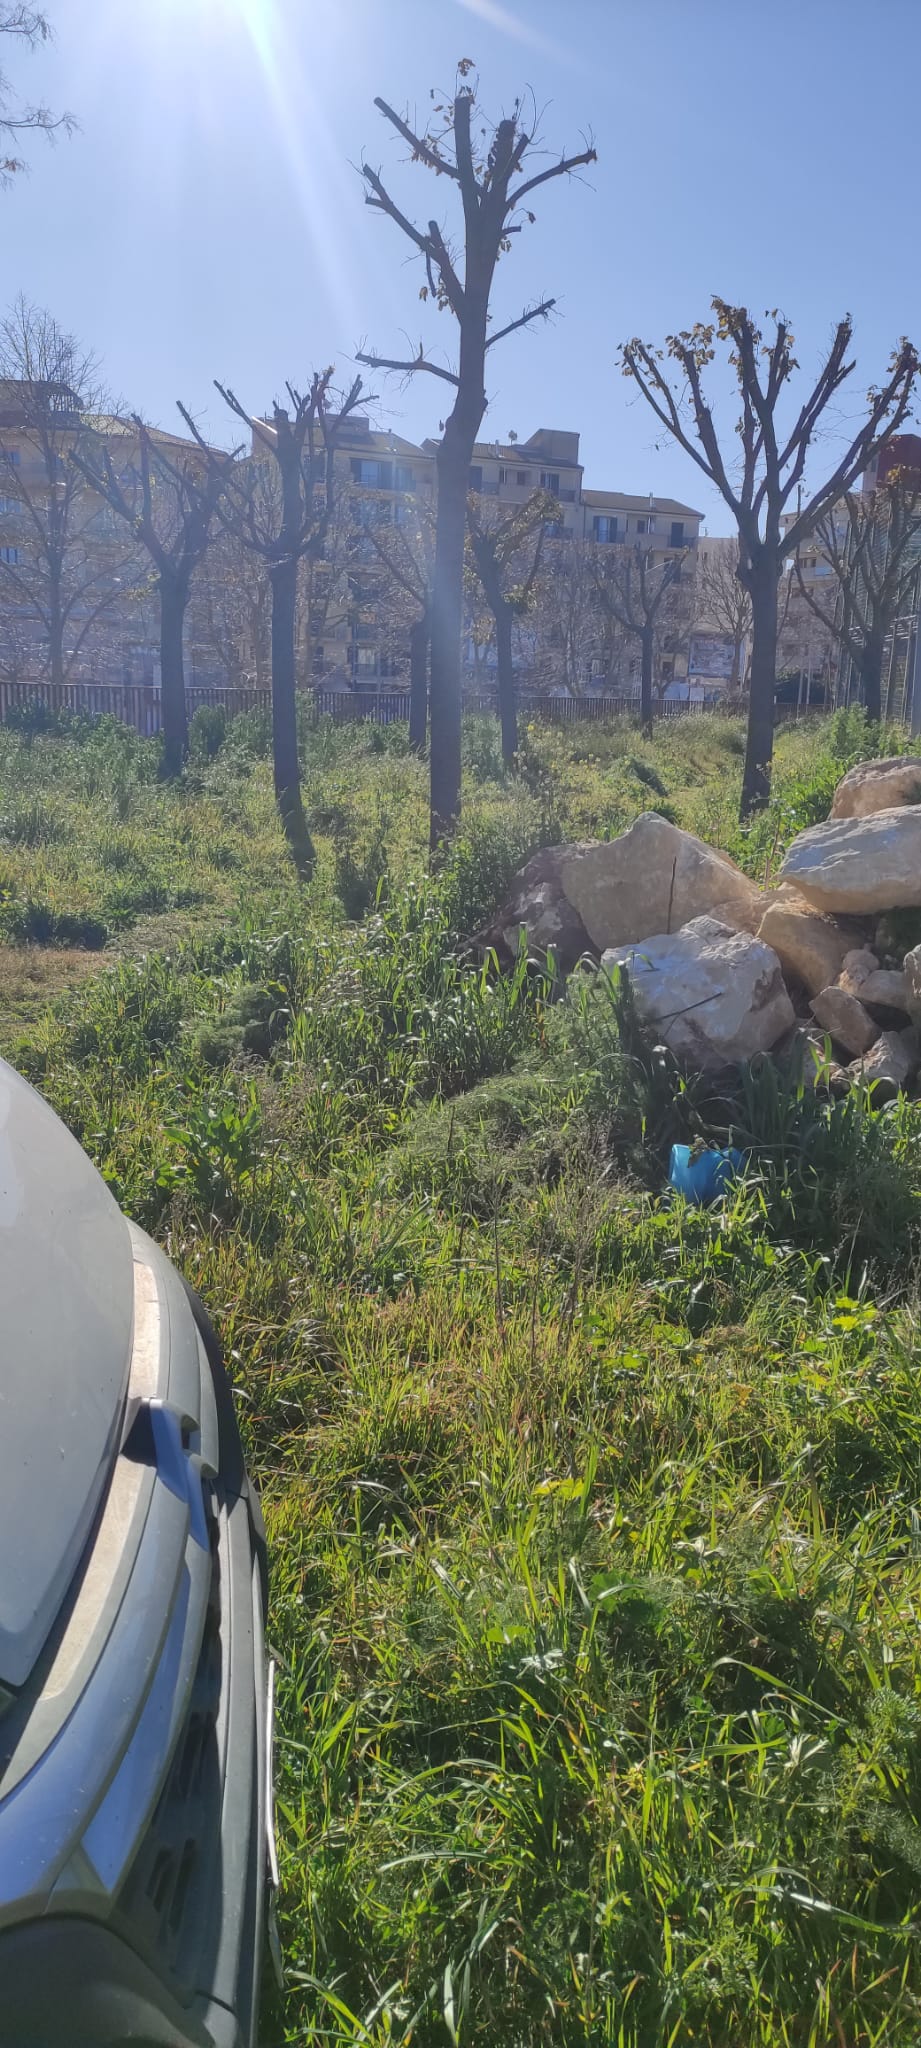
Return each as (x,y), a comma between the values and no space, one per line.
(31,977)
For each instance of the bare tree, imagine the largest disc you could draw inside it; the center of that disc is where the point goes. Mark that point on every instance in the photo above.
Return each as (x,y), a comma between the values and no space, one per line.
(168,498)
(493,198)
(633,587)
(573,640)
(766,476)
(722,600)
(407,555)
(230,604)
(281,505)
(59,567)
(872,563)
(31,27)
(507,549)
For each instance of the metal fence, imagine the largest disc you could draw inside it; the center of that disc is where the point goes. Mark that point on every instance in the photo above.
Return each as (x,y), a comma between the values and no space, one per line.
(138,704)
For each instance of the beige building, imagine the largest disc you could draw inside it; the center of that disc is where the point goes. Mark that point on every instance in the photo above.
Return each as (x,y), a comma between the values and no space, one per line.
(663,525)
(94,618)
(354,614)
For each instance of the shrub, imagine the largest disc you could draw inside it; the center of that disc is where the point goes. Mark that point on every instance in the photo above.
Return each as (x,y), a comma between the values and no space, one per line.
(207,732)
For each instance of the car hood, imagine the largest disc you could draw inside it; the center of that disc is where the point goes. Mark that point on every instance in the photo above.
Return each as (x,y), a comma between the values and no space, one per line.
(66,1309)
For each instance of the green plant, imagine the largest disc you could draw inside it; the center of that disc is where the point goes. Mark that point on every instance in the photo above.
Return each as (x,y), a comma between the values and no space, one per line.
(593,1518)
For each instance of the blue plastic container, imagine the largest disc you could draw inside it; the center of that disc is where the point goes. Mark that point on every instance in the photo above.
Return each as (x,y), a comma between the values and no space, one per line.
(704,1179)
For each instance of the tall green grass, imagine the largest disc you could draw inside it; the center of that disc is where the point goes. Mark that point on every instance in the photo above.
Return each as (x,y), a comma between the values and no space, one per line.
(594,1520)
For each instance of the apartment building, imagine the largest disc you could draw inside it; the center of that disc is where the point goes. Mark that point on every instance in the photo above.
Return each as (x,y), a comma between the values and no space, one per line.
(662,525)
(390,481)
(356,605)
(91,617)
(901,456)
(513,471)
(353,624)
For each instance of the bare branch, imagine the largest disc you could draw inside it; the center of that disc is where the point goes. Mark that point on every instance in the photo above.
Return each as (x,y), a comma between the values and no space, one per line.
(380,198)
(420,146)
(566,165)
(541,312)
(419,362)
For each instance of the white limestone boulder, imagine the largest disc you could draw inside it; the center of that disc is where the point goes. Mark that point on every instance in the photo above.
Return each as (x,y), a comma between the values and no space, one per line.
(655,878)
(811,949)
(878,786)
(857,968)
(844,1017)
(889,1065)
(715,996)
(853,866)
(599,893)
(887,989)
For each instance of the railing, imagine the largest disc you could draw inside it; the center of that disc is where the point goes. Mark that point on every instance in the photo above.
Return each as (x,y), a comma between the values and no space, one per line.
(139,704)
(135,704)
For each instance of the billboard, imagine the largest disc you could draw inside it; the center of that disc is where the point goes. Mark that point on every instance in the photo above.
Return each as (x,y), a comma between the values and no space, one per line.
(710,654)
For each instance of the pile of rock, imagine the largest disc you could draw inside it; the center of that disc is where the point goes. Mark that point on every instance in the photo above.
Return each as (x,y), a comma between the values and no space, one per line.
(723,970)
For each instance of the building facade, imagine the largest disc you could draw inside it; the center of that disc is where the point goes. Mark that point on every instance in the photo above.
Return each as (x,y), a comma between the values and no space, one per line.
(357,606)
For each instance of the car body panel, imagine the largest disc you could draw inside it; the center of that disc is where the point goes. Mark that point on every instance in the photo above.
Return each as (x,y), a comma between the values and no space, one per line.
(134,1772)
(65,1337)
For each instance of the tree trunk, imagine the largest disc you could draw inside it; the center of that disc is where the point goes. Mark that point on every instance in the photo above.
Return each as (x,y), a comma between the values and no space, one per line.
(174,597)
(453,465)
(505,678)
(418,683)
(735,675)
(283,577)
(763,583)
(55,626)
(871,677)
(647,650)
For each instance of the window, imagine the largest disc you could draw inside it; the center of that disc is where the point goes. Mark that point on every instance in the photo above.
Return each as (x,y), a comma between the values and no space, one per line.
(10,455)
(476,476)
(377,475)
(521,478)
(677,534)
(550,481)
(506,476)
(403,478)
(11,555)
(642,525)
(604,527)
(10,505)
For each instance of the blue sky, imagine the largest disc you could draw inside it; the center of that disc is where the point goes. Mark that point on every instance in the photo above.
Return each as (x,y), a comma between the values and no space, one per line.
(207,220)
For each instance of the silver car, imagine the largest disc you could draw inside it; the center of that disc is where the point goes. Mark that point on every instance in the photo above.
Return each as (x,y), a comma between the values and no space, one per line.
(135,1742)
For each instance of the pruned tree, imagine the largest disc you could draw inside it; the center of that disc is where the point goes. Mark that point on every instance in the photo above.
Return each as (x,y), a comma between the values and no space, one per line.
(168,497)
(230,608)
(871,557)
(281,505)
(507,548)
(59,566)
(766,475)
(633,587)
(722,601)
(30,27)
(493,193)
(572,639)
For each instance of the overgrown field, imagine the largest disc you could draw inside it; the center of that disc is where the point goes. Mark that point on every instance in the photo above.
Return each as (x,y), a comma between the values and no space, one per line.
(594,1520)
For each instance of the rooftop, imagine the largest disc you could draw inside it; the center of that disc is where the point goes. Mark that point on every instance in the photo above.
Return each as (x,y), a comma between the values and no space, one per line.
(624,501)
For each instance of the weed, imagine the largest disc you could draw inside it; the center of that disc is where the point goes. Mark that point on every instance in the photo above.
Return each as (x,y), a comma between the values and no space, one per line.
(593,1519)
